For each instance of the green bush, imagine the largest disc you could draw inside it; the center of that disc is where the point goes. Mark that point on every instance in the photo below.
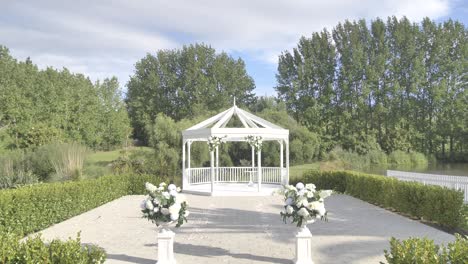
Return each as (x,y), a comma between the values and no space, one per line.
(418,159)
(377,157)
(34,135)
(51,162)
(354,160)
(428,202)
(424,251)
(349,159)
(40,162)
(160,161)
(457,252)
(399,157)
(33,208)
(35,250)
(125,164)
(67,160)
(412,250)
(15,170)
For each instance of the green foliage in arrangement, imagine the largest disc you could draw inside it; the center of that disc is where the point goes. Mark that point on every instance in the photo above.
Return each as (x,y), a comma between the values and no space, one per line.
(33,208)
(390,81)
(424,251)
(35,250)
(428,202)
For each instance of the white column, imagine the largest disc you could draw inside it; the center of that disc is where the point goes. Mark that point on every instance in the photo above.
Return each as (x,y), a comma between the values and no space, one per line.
(212,171)
(166,247)
(283,176)
(287,162)
(184,176)
(259,172)
(304,247)
(217,164)
(189,172)
(281,154)
(251,173)
(253,157)
(189,143)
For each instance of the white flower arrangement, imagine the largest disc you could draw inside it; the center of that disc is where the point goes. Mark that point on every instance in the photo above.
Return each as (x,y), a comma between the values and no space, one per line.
(304,204)
(255,142)
(164,205)
(213,142)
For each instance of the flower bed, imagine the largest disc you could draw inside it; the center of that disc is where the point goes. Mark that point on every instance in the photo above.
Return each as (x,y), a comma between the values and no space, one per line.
(427,202)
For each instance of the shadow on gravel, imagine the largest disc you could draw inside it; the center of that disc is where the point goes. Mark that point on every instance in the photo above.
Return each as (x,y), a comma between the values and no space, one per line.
(130,259)
(352,251)
(207,251)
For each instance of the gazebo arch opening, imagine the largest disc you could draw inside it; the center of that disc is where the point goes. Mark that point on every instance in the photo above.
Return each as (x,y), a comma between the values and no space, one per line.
(217,180)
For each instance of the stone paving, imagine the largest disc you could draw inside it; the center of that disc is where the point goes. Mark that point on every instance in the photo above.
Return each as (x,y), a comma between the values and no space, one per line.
(244,230)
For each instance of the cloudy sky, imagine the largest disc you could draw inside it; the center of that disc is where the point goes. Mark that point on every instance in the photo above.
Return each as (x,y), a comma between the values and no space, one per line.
(106,37)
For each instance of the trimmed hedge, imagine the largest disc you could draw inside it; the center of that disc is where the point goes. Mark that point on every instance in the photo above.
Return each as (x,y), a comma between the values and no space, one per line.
(433,203)
(33,208)
(34,250)
(424,251)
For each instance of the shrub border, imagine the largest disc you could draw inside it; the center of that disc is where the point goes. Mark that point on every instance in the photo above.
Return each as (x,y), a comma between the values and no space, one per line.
(33,208)
(432,203)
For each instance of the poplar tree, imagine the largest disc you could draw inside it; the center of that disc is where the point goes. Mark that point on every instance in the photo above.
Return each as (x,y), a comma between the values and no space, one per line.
(390,85)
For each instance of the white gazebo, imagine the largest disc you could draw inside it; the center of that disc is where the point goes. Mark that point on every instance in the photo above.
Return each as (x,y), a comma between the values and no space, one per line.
(253,180)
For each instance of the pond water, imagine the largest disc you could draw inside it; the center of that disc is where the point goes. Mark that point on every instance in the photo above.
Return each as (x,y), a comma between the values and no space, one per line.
(457,169)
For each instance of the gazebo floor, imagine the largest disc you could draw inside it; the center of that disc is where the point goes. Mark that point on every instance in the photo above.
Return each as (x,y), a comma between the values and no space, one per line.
(232,189)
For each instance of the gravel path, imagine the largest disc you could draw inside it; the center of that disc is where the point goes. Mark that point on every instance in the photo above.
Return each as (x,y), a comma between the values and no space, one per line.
(244,230)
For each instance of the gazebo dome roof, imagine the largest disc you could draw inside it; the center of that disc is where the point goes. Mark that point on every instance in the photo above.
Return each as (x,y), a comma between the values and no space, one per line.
(252,126)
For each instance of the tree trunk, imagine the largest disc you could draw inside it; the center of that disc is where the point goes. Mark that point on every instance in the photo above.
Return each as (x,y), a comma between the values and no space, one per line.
(443,149)
(451,147)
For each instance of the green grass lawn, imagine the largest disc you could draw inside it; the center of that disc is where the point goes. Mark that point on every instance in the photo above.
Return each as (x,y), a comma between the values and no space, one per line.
(298,170)
(103,156)
(98,163)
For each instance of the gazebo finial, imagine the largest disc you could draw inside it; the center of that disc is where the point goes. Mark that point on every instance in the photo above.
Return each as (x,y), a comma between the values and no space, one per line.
(234,101)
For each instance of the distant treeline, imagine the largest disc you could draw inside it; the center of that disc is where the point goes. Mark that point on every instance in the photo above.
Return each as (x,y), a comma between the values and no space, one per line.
(42,106)
(396,85)
(366,87)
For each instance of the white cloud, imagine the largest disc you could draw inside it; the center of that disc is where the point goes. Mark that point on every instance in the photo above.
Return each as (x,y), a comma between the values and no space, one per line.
(103,38)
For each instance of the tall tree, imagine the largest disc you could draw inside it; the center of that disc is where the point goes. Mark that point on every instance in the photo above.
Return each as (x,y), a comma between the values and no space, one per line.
(39,106)
(114,122)
(185,83)
(399,84)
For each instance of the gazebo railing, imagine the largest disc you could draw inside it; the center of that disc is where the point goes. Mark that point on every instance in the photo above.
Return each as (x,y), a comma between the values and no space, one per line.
(198,175)
(272,175)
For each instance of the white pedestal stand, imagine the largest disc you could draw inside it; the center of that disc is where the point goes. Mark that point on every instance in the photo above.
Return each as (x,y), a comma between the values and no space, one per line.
(250,184)
(304,246)
(166,247)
